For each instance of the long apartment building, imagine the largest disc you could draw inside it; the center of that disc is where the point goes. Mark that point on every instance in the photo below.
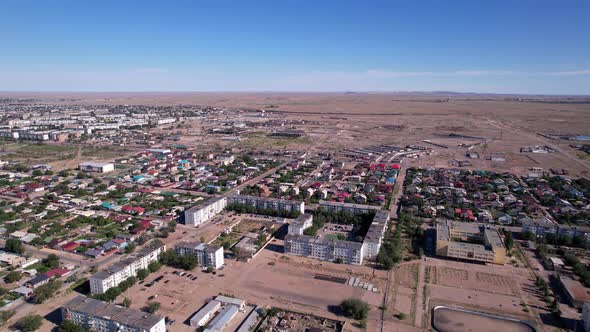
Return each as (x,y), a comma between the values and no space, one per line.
(204,211)
(374,237)
(469,241)
(348,207)
(324,248)
(543,227)
(268,203)
(207,255)
(112,276)
(95,315)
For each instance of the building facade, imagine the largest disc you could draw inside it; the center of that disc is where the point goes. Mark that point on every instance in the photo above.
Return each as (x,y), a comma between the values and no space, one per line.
(348,207)
(207,255)
(268,203)
(96,167)
(469,241)
(325,249)
(206,210)
(302,222)
(112,276)
(95,315)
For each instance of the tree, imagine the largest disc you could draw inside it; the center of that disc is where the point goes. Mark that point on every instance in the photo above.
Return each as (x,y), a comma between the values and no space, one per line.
(154,266)
(5,316)
(354,308)
(129,248)
(152,307)
(142,274)
(126,302)
(210,269)
(52,261)
(47,291)
(69,326)
(29,323)
(508,241)
(15,246)
(12,276)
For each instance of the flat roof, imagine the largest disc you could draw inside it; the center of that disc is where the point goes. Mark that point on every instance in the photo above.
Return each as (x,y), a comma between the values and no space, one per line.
(105,310)
(210,307)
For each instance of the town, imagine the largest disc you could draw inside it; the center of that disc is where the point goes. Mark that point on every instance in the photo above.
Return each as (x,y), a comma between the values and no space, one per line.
(210,218)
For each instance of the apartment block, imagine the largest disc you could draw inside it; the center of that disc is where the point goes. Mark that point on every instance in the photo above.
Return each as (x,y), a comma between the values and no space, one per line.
(207,255)
(204,211)
(95,315)
(469,241)
(268,203)
(324,249)
(302,222)
(348,207)
(374,237)
(544,227)
(112,276)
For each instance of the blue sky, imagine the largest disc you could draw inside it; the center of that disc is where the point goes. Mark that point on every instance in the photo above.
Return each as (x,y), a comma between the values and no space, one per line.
(517,46)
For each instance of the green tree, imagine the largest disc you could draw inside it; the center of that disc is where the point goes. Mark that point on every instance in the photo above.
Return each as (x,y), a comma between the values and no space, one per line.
(152,307)
(130,248)
(47,291)
(69,326)
(354,308)
(15,246)
(52,261)
(508,241)
(126,302)
(154,266)
(12,276)
(142,274)
(5,316)
(29,323)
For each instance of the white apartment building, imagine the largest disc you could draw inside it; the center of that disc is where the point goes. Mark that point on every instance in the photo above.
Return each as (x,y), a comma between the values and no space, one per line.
(95,315)
(325,249)
(96,167)
(349,207)
(374,237)
(204,211)
(101,281)
(207,255)
(268,203)
(302,222)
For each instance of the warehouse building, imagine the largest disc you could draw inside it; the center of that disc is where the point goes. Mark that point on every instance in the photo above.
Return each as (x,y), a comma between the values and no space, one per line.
(96,167)
(95,315)
(204,315)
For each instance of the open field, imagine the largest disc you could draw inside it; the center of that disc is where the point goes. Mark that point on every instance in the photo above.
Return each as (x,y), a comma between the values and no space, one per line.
(269,279)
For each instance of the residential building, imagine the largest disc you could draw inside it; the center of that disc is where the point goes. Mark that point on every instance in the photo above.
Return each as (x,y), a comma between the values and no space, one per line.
(268,203)
(469,241)
(300,223)
(586,316)
(207,255)
(90,166)
(374,237)
(325,249)
(575,293)
(112,276)
(349,207)
(204,211)
(95,315)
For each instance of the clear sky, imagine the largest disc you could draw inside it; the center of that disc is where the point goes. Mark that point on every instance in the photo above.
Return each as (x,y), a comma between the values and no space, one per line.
(512,46)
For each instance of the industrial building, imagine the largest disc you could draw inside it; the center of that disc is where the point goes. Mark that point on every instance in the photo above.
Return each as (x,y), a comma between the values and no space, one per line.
(207,255)
(204,211)
(268,203)
(469,241)
(90,166)
(112,276)
(204,315)
(95,315)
